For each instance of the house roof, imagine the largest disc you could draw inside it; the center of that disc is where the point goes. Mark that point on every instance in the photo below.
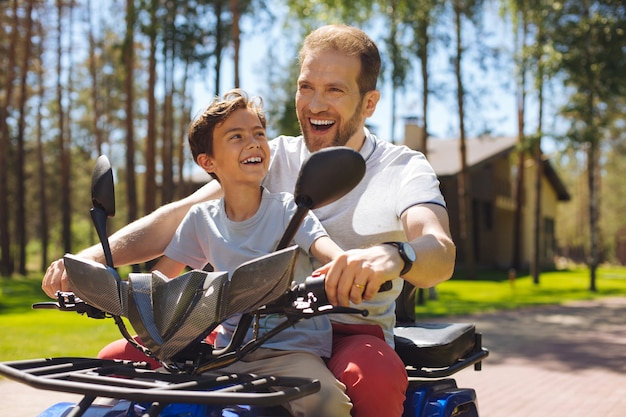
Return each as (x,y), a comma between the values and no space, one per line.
(555,180)
(444,156)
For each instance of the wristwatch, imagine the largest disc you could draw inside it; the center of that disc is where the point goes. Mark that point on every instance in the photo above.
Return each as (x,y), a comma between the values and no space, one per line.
(406,253)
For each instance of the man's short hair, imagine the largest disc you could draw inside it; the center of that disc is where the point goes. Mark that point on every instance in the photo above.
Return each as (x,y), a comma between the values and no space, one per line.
(350,41)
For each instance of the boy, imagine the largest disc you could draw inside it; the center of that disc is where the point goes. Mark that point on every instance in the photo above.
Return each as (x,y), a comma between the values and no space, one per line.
(228,141)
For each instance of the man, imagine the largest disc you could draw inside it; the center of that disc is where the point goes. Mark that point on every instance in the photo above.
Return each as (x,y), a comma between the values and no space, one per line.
(398,201)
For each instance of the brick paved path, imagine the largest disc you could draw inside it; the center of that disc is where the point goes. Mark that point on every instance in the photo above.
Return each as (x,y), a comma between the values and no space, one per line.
(554,361)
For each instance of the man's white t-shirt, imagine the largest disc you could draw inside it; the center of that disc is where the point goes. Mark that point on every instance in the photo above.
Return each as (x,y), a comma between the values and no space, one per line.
(396,178)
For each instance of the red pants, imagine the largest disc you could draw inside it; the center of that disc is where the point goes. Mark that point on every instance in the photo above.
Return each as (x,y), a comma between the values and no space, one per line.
(374,375)
(121,349)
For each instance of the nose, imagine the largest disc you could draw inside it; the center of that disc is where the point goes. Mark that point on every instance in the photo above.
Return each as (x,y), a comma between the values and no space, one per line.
(317,102)
(253,141)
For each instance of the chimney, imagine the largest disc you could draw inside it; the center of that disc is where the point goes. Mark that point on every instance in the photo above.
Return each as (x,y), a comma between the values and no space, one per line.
(413,134)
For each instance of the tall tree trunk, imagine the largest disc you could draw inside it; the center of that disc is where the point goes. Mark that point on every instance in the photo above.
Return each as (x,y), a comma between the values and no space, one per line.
(521,153)
(538,156)
(593,159)
(66,207)
(219,44)
(151,138)
(425,39)
(95,84)
(236,30)
(41,163)
(20,215)
(392,44)
(167,186)
(594,211)
(423,48)
(6,261)
(538,231)
(129,63)
(185,110)
(464,186)
(69,138)
(593,178)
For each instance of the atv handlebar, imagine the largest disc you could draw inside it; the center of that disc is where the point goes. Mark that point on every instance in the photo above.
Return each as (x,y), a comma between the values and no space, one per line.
(315,286)
(68,301)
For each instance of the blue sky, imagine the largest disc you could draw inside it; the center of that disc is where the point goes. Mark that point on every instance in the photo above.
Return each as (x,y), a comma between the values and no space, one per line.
(495,111)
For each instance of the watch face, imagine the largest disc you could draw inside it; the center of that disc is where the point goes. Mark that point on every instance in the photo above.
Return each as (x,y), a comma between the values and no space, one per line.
(409,252)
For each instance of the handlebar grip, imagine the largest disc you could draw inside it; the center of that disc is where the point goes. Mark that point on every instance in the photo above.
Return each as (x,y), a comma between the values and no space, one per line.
(315,286)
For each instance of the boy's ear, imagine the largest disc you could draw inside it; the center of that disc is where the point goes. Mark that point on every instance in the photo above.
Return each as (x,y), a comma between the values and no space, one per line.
(205,162)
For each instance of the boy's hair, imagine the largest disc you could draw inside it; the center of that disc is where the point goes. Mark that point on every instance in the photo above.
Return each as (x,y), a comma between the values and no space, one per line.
(200,134)
(351,42)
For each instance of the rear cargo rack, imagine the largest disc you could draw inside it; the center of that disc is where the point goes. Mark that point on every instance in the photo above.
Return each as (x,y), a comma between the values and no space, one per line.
(132,381)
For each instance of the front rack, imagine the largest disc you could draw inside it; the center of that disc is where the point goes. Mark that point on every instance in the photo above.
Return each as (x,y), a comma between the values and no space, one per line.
(132,381)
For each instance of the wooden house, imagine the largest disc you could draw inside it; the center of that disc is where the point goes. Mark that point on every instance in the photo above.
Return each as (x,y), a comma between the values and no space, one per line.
(493,172)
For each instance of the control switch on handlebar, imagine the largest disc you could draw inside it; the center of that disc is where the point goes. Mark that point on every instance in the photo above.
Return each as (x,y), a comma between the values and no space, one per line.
(313,289)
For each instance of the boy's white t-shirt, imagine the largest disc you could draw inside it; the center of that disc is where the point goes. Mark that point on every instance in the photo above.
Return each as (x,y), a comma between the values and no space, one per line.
(396,178)
(206,234)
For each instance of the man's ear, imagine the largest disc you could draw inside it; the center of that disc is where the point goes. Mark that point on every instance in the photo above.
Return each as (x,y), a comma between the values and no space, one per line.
(205,162)
(371,100)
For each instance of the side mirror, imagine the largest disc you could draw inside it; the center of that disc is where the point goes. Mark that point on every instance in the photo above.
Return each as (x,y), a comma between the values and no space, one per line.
(324,177)
(102,188)
(327,175)
(103,201)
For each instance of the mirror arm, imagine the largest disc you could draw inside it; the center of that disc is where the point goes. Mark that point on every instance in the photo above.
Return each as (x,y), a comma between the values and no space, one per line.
(99,218)
(292,227)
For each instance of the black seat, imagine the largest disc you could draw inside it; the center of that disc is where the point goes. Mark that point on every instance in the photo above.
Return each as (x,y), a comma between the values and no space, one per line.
(434,345)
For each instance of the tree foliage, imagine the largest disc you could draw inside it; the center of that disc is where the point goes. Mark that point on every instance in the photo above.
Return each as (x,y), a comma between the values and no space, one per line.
(589,44)
(85,77)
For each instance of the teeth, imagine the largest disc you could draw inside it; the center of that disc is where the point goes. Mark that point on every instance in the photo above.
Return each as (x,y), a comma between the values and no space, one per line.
(252,160)
(322,122)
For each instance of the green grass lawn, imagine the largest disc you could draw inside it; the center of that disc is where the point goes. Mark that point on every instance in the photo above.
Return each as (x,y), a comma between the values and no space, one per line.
(494,291)
(27,333)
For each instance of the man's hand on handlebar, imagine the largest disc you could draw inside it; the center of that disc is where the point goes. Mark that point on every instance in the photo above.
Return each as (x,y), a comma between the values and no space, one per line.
(357,274)
(55,279)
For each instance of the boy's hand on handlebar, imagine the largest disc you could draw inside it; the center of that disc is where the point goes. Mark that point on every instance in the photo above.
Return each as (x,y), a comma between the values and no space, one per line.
(358,274)
(55,279)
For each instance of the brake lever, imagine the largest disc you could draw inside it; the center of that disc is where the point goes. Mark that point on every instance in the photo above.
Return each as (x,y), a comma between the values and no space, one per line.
(68,301)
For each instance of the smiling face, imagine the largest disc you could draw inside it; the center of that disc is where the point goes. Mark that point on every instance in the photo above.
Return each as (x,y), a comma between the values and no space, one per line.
(241,153)
(331,109)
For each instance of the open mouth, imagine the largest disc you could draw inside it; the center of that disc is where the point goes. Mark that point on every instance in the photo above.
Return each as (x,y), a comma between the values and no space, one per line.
(253,160)
(321,125)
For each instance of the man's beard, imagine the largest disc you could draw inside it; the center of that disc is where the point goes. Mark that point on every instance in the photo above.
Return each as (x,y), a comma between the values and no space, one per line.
(342,136)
